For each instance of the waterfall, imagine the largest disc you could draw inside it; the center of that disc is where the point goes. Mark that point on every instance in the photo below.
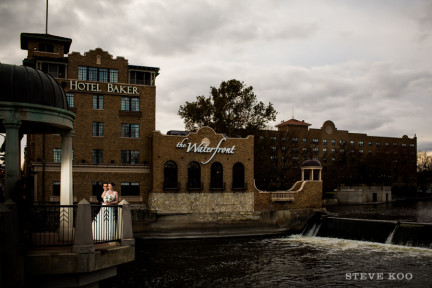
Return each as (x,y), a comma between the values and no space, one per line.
(314,230)
(390,237)
(381,231)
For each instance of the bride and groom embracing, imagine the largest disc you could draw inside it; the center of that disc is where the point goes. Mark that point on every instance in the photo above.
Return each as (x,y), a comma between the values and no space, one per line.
(104,225)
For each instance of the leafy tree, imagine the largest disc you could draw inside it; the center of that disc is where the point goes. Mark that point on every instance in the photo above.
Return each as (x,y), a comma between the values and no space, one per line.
(231,109)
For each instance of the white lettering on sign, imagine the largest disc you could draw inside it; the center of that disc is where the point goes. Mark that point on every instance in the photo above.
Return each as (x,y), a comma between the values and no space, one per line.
(203,148)
(95,87)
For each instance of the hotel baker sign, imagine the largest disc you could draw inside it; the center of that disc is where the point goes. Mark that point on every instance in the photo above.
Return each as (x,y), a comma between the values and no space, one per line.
(107,87)
(205,148)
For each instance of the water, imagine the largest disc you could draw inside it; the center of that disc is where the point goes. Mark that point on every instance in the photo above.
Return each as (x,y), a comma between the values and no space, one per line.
(285,261)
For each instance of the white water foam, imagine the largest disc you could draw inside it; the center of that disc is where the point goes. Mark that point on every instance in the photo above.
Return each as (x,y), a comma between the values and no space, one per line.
(336,244)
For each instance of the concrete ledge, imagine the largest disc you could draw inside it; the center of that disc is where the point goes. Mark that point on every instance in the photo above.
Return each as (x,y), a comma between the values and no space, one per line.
(51,262)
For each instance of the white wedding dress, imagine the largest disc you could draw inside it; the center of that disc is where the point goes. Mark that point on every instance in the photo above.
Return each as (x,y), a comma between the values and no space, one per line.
(104,226)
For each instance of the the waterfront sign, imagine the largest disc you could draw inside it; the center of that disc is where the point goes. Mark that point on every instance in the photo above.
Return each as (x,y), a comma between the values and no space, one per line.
(96,87)
(203,147)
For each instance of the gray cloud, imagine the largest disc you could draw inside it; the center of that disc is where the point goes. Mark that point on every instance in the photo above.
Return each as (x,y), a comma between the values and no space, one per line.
(363,64)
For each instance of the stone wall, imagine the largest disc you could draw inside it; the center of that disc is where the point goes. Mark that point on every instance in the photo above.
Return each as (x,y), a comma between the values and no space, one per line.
(201,202)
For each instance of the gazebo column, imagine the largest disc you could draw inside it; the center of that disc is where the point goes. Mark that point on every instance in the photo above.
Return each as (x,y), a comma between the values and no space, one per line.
(66,192)
(13,155)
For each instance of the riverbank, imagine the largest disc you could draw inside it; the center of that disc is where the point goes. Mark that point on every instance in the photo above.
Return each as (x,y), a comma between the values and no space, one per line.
(222,225)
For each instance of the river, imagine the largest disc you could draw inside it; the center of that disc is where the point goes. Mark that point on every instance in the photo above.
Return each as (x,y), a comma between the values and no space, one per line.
(285,261)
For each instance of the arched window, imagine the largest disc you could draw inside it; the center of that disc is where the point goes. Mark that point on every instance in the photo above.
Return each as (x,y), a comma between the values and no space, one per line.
(216,181)
(170,175)
(194,175)
(238,176)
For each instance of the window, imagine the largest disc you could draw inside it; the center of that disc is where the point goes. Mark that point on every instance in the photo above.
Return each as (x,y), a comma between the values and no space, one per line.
(370,143)
(324,150)
(70,97)
(130,188)
(216,178)
(98,101)
(97,74)
(352,143)
(130,130)
(141,78)
(97,156)
(82,73)
(113,75)
(283,148)
(170,175)
(333,142)
(304,141)
(97,129)
(342,142)
(325,141)
(238,176)
(194,175)
(294,140)
(333,151)
(130,104)
(54,69)
(129,157)
(378,144)
(57,155)
(412,145)
(273,138)
(273,158)
(56,188)
(360,143)
(103,74)
(45,47)
(395,144)
(92,74)
(404,145)
(315,150)
(273,149)
(315,141)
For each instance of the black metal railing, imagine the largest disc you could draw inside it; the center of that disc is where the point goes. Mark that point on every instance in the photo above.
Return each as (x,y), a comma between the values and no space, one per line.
(50,225)
(54,225)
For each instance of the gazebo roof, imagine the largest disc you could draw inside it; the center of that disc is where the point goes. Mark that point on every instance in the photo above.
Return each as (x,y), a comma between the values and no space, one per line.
(34,98)
(311,163)
(27,85)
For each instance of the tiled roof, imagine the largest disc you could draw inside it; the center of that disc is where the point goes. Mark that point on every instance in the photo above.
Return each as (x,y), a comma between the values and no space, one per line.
(293,122)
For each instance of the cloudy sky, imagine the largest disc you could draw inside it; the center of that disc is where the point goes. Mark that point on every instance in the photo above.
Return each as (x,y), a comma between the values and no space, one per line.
(364,64)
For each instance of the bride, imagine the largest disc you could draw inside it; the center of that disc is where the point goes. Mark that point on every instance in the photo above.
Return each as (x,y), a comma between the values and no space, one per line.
(104,226)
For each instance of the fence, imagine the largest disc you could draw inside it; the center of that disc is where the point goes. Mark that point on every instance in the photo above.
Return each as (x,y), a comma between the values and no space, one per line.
(50,225)
(54,225)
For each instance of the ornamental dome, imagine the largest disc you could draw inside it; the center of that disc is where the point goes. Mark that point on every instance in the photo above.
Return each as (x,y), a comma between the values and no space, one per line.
(27,85)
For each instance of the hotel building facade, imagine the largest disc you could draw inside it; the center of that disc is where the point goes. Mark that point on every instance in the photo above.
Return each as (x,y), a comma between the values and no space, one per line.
(114,103)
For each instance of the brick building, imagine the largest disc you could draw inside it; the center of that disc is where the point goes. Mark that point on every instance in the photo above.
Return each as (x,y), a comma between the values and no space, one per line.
(347,158)
(202,172)
(114,103)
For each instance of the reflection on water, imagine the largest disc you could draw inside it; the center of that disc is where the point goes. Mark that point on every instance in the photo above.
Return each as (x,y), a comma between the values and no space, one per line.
(288,261)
